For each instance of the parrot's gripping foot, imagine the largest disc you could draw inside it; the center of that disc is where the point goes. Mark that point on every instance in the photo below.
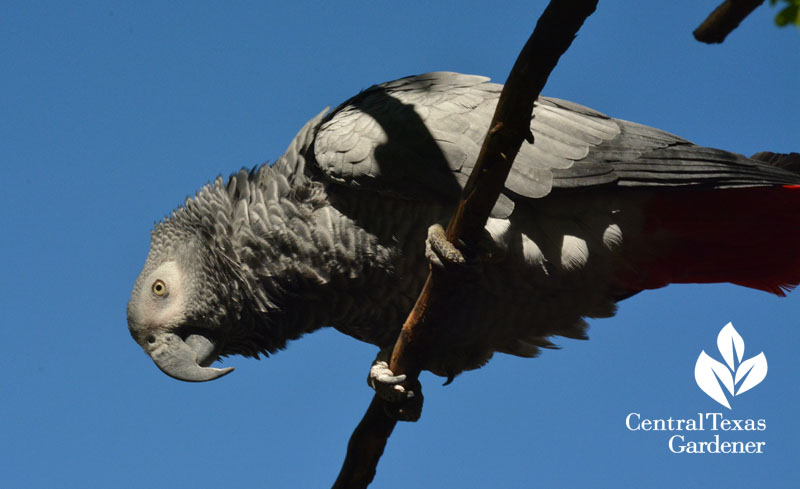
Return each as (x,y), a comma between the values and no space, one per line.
(465,261)
(403,397)
(440,251)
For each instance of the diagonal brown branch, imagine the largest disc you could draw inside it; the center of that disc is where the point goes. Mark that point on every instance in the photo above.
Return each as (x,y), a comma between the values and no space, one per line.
(510,125)
(724,19)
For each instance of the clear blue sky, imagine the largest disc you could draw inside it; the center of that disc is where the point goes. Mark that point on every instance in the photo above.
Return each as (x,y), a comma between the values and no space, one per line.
(113,112)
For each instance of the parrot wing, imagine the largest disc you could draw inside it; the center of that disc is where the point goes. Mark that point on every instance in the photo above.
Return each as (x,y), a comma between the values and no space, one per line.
(418,138)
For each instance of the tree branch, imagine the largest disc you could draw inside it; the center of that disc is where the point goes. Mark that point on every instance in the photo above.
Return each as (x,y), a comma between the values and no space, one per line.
(510,125)
(724,19)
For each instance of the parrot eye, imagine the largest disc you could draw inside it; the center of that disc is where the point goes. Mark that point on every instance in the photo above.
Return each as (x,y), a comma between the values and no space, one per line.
(159,288)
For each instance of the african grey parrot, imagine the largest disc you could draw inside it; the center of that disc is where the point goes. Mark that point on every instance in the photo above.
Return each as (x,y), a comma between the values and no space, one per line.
(333,234)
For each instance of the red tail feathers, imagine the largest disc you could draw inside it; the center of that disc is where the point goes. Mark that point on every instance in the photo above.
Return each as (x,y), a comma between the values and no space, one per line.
(748,236)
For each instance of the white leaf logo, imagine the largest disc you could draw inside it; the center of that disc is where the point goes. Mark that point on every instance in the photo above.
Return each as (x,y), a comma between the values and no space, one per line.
(712,375)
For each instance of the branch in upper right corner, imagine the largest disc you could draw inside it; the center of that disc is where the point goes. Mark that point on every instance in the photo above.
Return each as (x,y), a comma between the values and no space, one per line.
(724,19)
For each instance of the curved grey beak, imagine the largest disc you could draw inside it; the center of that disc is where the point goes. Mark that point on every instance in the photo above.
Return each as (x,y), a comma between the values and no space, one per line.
(184,360)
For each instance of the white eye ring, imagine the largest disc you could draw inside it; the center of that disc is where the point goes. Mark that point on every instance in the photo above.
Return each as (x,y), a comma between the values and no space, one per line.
(159,288)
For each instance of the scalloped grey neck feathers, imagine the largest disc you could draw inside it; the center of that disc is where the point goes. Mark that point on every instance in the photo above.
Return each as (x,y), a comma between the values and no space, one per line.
(253,244)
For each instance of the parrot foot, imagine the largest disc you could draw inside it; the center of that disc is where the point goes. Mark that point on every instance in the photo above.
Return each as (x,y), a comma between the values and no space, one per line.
(403,399)
(440,251)
(467,262)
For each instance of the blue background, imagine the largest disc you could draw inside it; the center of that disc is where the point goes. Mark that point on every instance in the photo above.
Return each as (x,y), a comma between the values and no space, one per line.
(113,112)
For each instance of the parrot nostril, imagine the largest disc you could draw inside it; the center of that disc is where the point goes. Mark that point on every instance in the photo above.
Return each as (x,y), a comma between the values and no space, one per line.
(151,339)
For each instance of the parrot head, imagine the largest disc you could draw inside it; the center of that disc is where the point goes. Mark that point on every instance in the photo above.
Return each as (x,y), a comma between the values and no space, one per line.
(173,313)
(206,292)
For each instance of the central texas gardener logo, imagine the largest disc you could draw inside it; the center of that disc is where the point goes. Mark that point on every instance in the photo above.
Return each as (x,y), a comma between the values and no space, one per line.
(737,376)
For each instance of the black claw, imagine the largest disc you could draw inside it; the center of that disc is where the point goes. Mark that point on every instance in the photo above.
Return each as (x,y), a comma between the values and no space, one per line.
(409,410)
(450,378)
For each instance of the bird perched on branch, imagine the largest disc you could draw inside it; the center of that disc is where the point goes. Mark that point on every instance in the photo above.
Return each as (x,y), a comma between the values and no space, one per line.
(333,234)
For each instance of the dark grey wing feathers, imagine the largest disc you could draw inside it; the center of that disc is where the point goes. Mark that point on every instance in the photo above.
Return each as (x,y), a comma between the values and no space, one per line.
(419,137)
(644,156)
(787,161)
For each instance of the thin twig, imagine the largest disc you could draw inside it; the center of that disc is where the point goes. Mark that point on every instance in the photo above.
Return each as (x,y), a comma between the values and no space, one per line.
(724,19)
(510,125)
